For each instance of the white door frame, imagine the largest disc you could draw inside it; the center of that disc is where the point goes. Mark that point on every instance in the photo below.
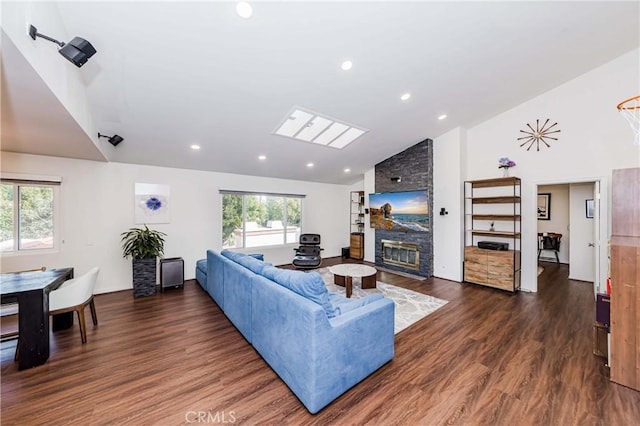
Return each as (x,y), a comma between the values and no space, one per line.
(529,236)
(598,282)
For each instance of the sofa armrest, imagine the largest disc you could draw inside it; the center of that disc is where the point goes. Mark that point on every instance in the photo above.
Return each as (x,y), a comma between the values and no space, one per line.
(360,341)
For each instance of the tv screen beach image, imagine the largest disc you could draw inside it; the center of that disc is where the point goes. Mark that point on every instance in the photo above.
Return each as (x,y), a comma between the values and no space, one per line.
(400,211)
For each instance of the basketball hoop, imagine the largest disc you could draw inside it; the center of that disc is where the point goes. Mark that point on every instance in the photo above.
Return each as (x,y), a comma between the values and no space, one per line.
(630,110)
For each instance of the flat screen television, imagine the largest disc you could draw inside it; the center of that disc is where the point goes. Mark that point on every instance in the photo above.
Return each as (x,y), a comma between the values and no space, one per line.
(406,211)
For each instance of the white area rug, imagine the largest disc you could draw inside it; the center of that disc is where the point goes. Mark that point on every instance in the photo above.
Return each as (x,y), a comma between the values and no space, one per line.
(411,306)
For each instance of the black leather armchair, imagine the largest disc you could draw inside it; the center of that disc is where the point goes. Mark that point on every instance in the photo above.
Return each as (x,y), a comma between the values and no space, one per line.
(308,254)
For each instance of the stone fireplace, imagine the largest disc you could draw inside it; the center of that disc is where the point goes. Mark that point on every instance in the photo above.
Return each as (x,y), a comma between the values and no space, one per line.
(404,251)
(410,252)
(400,253)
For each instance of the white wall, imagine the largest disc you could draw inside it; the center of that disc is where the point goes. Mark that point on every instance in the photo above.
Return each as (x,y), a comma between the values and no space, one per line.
(97,205)
(369,233)
(448,191)
(594,139)
(62,77)
(559,219)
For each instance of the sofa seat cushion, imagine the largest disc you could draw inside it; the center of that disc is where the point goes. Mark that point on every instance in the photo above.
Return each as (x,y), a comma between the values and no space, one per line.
(342,305)
(307,284)
(201,265)
(201,273)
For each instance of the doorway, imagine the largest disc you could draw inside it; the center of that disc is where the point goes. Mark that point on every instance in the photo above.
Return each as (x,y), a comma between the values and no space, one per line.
(574,212)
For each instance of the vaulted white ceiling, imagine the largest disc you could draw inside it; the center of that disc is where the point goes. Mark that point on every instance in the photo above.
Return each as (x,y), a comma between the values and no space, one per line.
(171,74)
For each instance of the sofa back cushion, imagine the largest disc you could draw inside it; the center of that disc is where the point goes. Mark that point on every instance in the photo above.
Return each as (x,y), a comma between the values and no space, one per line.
(307,284)
(250,262)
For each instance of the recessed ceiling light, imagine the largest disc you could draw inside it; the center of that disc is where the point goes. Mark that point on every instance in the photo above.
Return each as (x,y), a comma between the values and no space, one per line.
(347,170)
(346,65)
(244,9)
(405,96)
(442,117)
(309,164)
(195,147)
(262,157)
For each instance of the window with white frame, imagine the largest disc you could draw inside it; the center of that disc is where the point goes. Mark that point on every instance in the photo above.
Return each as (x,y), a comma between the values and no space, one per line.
(259,220)
(27,215)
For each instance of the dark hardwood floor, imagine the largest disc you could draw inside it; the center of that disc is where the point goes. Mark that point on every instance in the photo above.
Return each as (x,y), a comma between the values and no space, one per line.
(485,358)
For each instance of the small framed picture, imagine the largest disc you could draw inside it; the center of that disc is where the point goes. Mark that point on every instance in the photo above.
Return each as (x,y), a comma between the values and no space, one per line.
(590,207)
(544,206)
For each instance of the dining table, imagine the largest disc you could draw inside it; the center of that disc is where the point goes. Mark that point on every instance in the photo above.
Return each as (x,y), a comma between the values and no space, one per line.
(31,291)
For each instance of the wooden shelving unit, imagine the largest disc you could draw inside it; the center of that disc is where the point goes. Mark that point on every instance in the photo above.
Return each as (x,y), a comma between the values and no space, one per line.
(356,240)
(492,211)
(356,209)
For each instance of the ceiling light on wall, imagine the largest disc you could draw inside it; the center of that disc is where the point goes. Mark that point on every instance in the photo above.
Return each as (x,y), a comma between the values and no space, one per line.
(347,170)
(442,117)
(262,157)
(113,140)
(346,65)
(78,50)
(195,147)
(244,9)
(405,97)
(309,165)
(308,126)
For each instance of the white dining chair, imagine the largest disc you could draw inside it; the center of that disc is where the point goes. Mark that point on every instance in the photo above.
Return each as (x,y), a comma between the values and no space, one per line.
(74,295)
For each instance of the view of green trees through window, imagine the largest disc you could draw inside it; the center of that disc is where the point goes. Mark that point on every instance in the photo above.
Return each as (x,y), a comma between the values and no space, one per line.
(253,220)
(6,216)
(33,217)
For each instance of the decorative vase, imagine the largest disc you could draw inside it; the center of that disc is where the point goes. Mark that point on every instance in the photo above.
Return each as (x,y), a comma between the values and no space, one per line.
(505,172)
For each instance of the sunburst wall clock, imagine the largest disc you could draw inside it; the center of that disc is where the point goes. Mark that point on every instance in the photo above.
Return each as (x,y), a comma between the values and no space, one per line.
(539,135)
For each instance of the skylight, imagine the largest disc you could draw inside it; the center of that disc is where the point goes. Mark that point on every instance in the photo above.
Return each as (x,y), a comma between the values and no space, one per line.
(308,126)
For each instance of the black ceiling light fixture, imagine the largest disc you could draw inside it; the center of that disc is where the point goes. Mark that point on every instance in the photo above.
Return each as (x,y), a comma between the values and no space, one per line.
(77,50)
(113,140)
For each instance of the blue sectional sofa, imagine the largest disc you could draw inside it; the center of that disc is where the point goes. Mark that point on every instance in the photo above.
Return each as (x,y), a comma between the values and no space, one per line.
(319,343)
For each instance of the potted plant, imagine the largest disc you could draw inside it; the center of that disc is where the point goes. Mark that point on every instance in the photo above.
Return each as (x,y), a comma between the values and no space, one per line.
(144,246)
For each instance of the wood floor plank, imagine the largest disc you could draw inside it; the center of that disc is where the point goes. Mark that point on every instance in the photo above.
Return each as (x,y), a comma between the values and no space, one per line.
(485,358)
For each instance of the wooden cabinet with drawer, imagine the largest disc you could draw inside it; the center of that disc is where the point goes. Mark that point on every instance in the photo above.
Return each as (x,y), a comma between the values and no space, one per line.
(356,246)
(493,268)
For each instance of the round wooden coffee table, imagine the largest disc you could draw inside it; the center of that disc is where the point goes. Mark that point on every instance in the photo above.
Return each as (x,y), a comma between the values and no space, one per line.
(345,272)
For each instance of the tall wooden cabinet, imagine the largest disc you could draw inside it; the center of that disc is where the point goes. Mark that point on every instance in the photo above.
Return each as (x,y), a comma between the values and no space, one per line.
(356,245)
(356,240)
(492,214)
(625,278)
